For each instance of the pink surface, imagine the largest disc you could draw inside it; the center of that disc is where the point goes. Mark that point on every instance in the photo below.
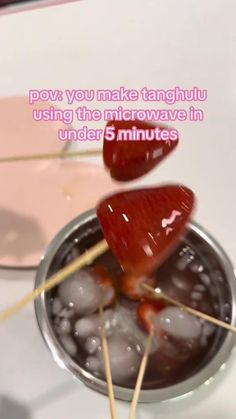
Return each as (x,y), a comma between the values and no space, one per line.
(20,134)
(38,198)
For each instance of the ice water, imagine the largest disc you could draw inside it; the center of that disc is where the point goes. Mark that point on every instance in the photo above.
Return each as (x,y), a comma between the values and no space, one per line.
(182,345)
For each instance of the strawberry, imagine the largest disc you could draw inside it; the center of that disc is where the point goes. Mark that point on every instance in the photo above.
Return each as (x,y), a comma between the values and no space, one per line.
(131,286)
(143,226)
(127,160)
(147,311)
(105,281)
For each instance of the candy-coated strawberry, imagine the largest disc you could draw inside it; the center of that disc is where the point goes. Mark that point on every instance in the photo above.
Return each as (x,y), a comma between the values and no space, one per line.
(147,312)
(128,160)
(131,286)
(143,226)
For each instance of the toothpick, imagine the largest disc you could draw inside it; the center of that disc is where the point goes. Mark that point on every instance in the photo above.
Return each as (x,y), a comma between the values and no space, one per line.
(88,257)
(107,365)
(48,156)
(160,295)
(141,373)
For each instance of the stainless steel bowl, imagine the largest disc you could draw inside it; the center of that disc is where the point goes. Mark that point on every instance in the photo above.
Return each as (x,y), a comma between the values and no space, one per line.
(222,274)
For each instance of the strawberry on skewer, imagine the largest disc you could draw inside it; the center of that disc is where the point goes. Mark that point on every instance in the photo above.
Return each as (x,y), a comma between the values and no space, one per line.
(147,311)
(127,160)
(143,226)
(131,286)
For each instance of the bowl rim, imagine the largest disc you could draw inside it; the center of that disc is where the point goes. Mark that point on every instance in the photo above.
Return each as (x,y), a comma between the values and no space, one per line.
(64,360)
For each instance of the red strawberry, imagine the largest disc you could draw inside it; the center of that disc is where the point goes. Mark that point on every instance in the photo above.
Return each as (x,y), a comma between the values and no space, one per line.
(105,281)
(143,226)
(147,311)
(131,286)
(128,160)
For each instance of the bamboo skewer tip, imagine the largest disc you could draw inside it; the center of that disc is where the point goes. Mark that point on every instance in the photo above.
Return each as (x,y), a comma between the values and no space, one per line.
(107,365)
(49,156)
(140,377)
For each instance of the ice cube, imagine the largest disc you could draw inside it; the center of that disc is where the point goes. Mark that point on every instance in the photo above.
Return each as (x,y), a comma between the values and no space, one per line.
(81,291)
(125,321)
(68,344)
(178,323)
(183,262)
(92,343)
(196,267)
(108,318)
(65,326)
(66,313)
(181,282)
(124,358)
(56,306)
(86,327)
(195,295)
(200,287)
(205,279)
(93,364)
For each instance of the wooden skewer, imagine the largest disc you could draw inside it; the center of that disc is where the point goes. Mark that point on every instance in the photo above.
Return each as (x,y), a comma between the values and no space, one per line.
(141,373)
(107,365)
(48,156)
(57,278)
(157,293)
(86,258)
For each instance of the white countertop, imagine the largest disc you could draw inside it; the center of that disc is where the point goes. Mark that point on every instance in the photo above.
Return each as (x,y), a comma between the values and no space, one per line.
(135,43)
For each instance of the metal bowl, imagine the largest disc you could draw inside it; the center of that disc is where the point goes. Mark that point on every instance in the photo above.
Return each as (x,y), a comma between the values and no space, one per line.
(222,275)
